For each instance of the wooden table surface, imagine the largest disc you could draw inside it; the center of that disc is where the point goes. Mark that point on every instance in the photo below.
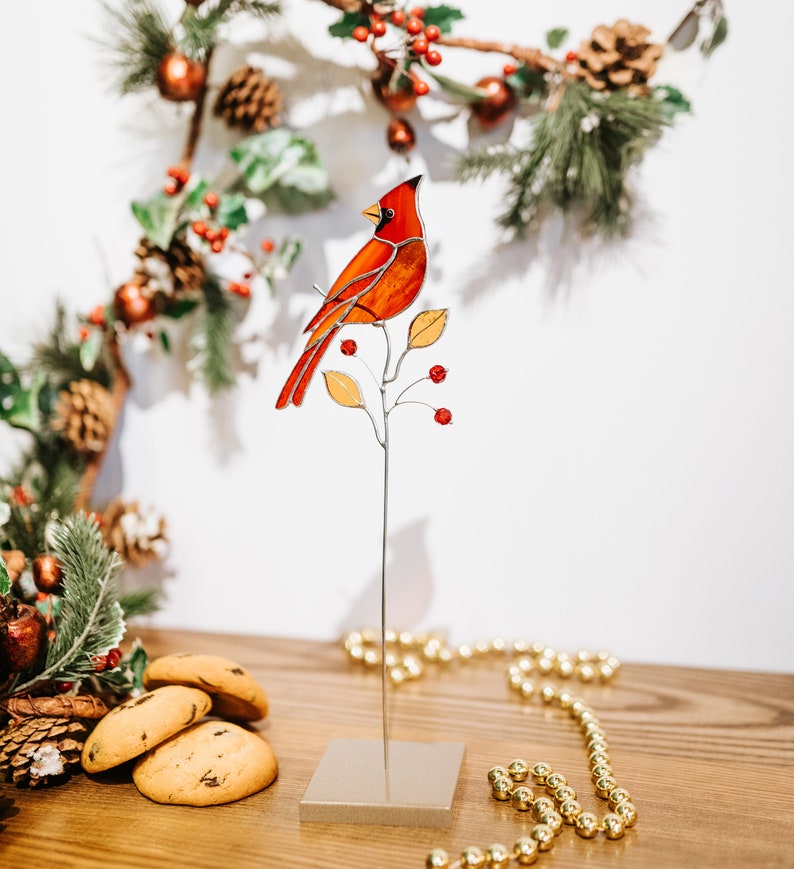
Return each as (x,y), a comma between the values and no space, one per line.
(708,757)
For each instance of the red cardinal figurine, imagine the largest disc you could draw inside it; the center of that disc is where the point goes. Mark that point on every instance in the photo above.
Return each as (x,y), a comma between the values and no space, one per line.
(381,281)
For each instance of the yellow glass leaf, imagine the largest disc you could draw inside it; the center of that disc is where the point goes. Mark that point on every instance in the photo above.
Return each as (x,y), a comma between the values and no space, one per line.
(343,389)
(426,328)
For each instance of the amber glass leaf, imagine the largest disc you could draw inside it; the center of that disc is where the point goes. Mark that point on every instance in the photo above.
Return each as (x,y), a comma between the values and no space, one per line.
(426,328)
(343,389)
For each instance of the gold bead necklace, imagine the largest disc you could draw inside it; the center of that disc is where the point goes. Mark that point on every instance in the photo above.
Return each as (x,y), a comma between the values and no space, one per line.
(407,656)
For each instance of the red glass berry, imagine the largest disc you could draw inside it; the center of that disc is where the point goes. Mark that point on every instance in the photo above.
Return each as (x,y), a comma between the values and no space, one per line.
(417,12)
(171,189)
(433,57)
(100,663)
(571,57)
(210,235)
(82,333)
(509,69)
(223,233)
(241,290)
(421,88)
(414,26)
(268,245)
(398,17)
(216,246)
(432,32)
(361,33)
(378,28)
(113,658)
(443,416)
(348,347)
(211,200)
(64,687)
(419,45)
(200,228)
(437,374)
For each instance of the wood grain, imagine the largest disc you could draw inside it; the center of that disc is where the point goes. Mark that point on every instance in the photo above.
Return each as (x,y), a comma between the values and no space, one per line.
(707,755)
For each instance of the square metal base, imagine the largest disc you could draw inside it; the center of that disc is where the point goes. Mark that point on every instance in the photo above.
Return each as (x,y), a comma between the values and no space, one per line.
(349,786)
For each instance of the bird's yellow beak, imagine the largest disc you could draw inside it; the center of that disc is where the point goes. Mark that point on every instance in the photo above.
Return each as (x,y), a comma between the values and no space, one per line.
(372,213)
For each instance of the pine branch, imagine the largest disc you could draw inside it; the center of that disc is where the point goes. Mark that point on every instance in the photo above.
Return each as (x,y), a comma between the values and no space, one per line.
(142,602)
(578,158)
(137,37)
(200,29)
(213,338)
(91,621)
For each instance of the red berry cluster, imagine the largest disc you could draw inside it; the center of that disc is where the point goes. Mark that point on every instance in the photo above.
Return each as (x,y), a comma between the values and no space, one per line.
(179,177)
(106,662)
(420,38)
(20,497)
(240,289)
(214,234)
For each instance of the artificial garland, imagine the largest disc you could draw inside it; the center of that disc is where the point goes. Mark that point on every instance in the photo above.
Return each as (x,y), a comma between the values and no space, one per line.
(62,610)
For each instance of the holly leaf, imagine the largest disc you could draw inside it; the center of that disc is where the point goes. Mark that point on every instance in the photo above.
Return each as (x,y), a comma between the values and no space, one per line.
(231,210)
(5,579)
(158,218)
(178,309)
(348,23)
(528,83)
(442,16)
(427,328)
(19,407)
(556,36)
(284,170)
(672,100)
(464,92)
(195,195)
(343,389)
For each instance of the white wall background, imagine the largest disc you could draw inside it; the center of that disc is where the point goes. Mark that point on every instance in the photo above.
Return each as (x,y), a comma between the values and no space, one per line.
(620,468)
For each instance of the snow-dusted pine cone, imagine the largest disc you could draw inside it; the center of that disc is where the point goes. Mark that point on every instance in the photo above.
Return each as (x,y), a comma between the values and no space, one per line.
(619,56)
(84,415)
(137,536)
(38,749)
(175,271)
(249,100)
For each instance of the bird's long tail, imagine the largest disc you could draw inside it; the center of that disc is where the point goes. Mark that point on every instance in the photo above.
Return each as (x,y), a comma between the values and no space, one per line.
(298,381)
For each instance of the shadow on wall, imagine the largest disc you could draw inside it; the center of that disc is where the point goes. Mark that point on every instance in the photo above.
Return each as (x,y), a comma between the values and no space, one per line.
(409,583)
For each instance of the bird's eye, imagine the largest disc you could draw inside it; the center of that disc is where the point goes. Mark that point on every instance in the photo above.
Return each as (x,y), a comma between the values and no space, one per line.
(388,213)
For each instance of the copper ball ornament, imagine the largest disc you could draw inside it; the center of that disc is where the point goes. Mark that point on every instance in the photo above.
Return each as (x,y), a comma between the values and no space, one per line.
(497,106)
(400,136)
(179,78)
(396,92)
(47,574)
(23,638)
(131,305)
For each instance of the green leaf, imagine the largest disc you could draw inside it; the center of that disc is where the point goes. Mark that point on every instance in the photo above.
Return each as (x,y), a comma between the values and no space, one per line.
(556,37)
(284,169)
(231,210)
(5,579)
(442,16)
(158,218)
(89,349)
(165,341)
(672,100)
(719,36)
(178,309)
(20,407)
(527,83)
(458,90)
(348,23)
(195,195)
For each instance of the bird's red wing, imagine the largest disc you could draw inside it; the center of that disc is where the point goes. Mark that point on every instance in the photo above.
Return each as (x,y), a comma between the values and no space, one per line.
(358,277)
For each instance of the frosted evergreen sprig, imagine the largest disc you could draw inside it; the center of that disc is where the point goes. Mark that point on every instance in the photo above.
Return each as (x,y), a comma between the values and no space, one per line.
(91,621)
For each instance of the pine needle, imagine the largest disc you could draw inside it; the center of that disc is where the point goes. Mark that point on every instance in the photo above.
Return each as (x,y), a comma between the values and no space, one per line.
(213,338)
(141,602)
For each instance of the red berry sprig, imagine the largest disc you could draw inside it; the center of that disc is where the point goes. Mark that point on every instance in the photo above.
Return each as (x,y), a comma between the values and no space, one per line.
(443,416)
(179,177)
(438,374)
(243,290)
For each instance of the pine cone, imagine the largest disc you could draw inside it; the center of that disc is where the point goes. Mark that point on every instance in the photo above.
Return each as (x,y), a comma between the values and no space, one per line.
(249,100)
(619,56)
(39,749)
(175,271)
(84,415)
(137,537)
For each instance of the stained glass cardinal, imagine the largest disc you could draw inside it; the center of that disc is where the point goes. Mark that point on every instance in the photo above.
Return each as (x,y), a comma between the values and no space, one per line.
(381,281)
